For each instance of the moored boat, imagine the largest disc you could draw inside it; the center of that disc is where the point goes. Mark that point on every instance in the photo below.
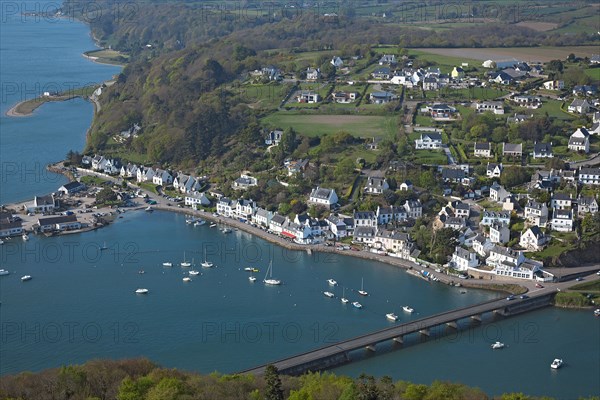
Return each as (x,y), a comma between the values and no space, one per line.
(269,276)
(149,209)
(557,363)
(25,237)
(329,294)
(26,278)
(356,304)
(167,264)
(4,272)
(193,272)
(391,317)
(332,282)
(252,278)
(597,312)
(142,291)
(187,279)
(362,290)
(497,345)
(185,263)
(408,309)
(344,299)
(206,263)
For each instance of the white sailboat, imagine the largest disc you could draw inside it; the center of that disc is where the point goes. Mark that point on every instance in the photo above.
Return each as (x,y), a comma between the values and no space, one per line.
(344,299)
(142,291)
(206,263)
(362,291)
(329,294)
(167,264)
(103,247)
(194,272)
(269,274)
(185,263)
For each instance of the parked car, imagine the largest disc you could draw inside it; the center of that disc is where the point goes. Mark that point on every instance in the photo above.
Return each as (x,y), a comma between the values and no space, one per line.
(511,297)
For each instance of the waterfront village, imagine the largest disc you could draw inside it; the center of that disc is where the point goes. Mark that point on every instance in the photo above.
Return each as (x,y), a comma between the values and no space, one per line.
(469,191)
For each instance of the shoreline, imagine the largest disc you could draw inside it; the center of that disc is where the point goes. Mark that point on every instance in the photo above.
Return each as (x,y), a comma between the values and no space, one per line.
(12,112)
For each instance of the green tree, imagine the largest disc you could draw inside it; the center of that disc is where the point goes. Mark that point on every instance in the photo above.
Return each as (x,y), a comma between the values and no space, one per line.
(288,141)
(273,390)
(366,388)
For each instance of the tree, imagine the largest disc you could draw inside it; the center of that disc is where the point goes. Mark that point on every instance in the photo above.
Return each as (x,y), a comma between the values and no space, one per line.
(366,388)
(273,391)
(288,141)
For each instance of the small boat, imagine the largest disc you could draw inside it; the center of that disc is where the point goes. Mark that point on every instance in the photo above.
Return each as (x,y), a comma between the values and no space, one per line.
(141,271)
(149,209)
(250,269)
(332,282)
(199,222)
(187,279)
(497,345)
(270,280)
(557,363)
(185,263)
(463,291)
(103,247)
(226,230)
(596,311)
(206,263)
(167,264)
(344,299)
(194,272)
(4,272)
(362,291)
(190,220)
(213,225)
(1,242)
(252,278)
(26,278)
(25,237)
(356,304)
(142,291)
(391,317)
(408,309)
(329,294)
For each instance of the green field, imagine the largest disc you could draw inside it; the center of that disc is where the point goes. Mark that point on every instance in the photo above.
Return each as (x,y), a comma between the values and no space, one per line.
(594,73)
(108,56)
(311,124)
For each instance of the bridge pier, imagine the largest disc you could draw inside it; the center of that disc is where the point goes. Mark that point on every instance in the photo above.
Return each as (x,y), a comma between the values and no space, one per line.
(425,332)
(476,317)
(452,324)
(398,339)
(371,347)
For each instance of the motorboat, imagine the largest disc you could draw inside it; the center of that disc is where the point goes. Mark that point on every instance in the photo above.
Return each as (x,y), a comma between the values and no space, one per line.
(25,237)
(252,278)
(329,294)
(391,317)
(557,363)
(142,291)
(149,209)
(141,271)
(226,230)
(4,272)
(332,282)
(187,279)
(194,272)
(251,269)
(269,276)
(26,278)
(356,304)
(213,225)
(167,264)
(199,222)
(408,309)
(596,311)
(497,345)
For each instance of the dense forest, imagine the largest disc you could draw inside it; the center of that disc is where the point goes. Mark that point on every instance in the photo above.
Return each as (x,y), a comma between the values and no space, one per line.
(141,379)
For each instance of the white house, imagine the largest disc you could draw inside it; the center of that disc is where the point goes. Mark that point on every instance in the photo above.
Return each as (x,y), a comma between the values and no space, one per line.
(262,217)
(499,233)
(365,218)
(225,207)
(562,220)
(490,217)
(512,263)
(414,208)
(589,176)
(162,178)
(580,106)
(10,227)
(561,201)
(244,182)
(244,209)
(536,213)
(337,62)
(512,149)
(533,239)
(323,197)
(483,150)
(196,199)
(554,85)
(41,204)
(463,259)
(273,137)
(364,234)
(493,170)
(496,107)
(389,214)
(393,241)
(59,223)
(586,205)
(376,185)
(313,74)
(431,140)
(580,140)
(307,96)
(277,223)
(71,188)
(498,193)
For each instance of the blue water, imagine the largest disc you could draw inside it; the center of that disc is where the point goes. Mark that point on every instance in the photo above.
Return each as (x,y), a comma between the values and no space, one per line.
(81,302)
(38,55)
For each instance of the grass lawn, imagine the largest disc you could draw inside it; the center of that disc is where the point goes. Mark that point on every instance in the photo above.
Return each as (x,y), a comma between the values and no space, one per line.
(108,56)
(593,286)
(311,124)
(594,73)
(91,180)
(445,62)
(430,157)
